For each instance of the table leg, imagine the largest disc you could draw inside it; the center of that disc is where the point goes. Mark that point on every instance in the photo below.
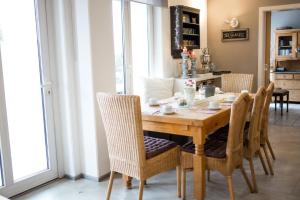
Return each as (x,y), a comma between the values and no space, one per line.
(281,104)
(127,181)
(199,166)
(287,102)
(275,103)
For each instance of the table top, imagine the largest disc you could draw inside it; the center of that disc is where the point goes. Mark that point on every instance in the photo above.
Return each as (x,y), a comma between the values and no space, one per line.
(197,115)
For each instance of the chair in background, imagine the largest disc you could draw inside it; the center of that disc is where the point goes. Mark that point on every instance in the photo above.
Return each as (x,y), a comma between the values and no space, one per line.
(264,139)
(223,156)
(252,134)
(236,82)
(130,153)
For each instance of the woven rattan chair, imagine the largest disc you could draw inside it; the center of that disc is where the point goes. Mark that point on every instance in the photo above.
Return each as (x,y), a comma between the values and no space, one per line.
(236,82)
(252,134)
(121,116)
(223,156)
(264,139)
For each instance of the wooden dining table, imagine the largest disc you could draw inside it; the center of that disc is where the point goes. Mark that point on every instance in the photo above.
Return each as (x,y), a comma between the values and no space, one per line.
(196,121)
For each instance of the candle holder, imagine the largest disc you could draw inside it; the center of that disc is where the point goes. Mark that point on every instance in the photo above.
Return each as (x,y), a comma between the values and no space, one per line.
(184,65)
(193,67)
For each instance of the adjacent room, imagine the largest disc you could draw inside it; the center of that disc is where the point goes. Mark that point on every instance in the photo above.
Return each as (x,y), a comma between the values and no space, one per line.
(149,99)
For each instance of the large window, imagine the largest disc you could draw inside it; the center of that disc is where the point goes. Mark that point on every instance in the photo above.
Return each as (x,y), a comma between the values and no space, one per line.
(132,43)
(118,46)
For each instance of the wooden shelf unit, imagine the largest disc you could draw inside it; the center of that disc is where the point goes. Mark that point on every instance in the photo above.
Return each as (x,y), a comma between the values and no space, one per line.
(185,29)
(287,45)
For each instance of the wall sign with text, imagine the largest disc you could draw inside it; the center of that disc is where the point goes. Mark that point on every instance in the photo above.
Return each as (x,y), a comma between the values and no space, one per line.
(235,35)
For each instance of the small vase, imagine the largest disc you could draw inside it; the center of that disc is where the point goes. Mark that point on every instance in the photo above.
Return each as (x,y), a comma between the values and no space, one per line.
(189,94)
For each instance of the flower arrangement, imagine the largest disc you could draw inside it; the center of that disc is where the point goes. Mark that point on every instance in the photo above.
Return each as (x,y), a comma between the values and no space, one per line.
(190,83)
(190,53)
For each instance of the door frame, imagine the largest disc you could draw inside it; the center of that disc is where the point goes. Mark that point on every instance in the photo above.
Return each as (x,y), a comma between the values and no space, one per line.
(262,37)
(12,188)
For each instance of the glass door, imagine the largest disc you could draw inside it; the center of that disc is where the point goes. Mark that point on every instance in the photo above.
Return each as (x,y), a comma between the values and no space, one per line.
(26,122)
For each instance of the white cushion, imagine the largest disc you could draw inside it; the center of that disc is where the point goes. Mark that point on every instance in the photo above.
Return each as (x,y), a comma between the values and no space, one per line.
(159,88)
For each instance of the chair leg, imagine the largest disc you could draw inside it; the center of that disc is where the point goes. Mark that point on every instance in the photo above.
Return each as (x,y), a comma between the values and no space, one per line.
(263,162)
(268,160)
(246,179)
(208,175)
(270,148)
(111,180)
(178,171)
(230,187)
(253,175)
(287,102)
(183,187)
(141,189)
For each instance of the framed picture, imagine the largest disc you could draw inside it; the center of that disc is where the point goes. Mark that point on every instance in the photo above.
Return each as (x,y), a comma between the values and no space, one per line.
(235,35)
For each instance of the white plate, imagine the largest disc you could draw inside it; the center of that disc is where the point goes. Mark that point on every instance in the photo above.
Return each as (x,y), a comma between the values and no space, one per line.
(214,108)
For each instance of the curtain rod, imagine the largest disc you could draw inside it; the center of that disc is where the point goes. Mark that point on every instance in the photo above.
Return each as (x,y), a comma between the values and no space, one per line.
(162,3)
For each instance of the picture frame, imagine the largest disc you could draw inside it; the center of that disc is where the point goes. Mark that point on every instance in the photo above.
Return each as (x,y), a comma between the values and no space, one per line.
(241,34)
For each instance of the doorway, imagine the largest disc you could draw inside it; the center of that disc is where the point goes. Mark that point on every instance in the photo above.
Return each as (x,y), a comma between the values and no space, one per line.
(263,38)
(28,156)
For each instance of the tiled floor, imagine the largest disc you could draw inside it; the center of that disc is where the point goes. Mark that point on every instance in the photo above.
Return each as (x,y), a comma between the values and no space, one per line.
(284,185)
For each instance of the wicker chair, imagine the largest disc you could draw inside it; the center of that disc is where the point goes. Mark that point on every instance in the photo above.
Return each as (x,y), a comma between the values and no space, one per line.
(252,134)
(223,156)
(264,139)
(236,82)
(121,115)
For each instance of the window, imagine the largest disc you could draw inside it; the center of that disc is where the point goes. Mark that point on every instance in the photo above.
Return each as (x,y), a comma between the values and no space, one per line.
(118,46)
(132,43)
(140,38)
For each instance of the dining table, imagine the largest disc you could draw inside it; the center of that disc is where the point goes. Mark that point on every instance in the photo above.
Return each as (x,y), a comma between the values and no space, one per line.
(196,121)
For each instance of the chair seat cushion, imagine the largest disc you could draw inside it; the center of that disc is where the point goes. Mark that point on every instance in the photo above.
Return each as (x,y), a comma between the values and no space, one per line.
(213,148)
(156,146)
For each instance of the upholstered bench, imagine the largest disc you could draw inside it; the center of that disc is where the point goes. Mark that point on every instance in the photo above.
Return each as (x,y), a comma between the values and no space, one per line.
(278,92)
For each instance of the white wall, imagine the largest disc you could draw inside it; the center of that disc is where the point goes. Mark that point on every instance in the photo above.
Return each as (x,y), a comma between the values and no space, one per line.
(280,19)
(103,66)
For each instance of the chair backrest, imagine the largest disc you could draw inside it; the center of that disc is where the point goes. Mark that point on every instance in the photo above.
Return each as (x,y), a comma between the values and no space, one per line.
(236,82)
(239,111)
(255,120)
(265,117)
(122,120)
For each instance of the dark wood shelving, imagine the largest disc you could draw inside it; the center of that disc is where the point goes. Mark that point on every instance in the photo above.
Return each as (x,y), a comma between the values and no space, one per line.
(187,34)
(191,24)
(185,29)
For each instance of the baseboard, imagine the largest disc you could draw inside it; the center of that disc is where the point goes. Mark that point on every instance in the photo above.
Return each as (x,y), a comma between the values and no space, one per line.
(92,178)
(73,178)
